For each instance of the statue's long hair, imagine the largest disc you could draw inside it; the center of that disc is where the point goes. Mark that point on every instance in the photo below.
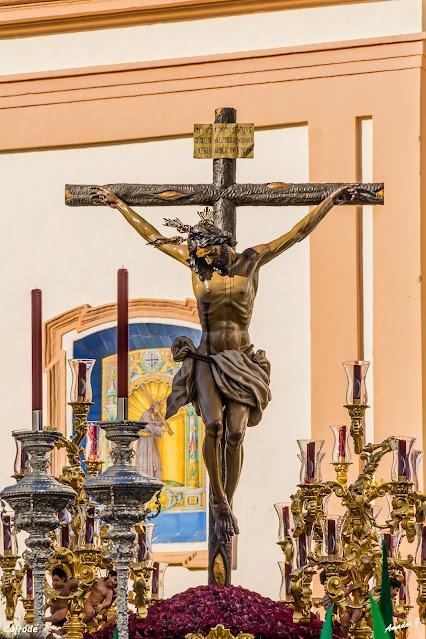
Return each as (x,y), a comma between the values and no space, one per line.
(202,235)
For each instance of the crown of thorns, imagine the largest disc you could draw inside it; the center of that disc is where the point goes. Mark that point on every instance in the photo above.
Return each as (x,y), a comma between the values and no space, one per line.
(206,222)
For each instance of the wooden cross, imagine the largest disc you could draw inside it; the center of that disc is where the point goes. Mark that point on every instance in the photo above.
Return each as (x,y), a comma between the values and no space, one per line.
(224,194)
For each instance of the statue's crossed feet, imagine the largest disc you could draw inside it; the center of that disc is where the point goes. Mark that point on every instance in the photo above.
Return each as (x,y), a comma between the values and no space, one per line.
(226,524)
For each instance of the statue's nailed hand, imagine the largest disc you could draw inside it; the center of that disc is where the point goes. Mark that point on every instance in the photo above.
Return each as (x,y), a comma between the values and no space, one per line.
(103,197)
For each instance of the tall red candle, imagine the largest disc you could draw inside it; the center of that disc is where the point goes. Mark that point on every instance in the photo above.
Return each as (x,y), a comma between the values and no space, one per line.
(37,400)
(123,332)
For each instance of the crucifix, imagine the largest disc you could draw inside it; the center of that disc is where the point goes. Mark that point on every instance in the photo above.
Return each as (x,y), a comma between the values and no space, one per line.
(224,377)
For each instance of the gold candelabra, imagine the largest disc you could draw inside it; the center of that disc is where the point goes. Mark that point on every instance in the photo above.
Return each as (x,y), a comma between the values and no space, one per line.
(345,550)
(81,547)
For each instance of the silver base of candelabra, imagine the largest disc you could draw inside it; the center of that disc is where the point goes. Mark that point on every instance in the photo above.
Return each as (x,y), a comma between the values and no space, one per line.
(36,498)
(123,490)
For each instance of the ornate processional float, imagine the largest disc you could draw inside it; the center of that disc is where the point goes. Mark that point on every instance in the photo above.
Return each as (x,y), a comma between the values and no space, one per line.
(223,369)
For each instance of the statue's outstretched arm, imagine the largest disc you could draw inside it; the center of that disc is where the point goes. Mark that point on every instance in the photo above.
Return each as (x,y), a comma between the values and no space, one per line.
(144,228)
(305,226)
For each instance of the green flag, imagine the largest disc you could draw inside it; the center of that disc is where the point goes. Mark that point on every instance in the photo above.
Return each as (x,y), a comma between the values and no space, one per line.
(379,628)
(327,626)
(115,635)
(385,601)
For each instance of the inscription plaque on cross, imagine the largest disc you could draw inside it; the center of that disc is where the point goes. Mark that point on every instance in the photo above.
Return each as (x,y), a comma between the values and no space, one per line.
(226,379)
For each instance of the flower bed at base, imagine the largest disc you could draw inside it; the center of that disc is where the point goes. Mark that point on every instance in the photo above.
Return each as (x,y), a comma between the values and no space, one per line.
(205,607)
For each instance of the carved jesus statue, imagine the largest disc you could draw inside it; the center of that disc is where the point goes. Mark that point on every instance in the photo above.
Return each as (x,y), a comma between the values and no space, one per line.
(224,377)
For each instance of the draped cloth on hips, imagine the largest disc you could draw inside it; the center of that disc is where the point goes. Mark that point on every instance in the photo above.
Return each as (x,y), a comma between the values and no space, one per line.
(240,375)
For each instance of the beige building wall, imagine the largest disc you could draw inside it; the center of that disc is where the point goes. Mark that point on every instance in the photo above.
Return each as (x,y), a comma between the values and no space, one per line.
(307,87)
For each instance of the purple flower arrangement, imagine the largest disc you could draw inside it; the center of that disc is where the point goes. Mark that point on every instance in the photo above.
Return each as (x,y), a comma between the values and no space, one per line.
(205,607)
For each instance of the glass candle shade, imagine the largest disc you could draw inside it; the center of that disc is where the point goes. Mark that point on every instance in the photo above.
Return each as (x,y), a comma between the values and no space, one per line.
(64,532)
(341,451)
(283,512)
(286,569)
(402,459)
(8,543)
(332,536)
(421,545)
(90,533)
(303,548)
(81,387)
(28,583)
(311,458)
(145,535)
(416,460)
(157,579)
(391,541)
(356,394)
(21,464)
(93,442)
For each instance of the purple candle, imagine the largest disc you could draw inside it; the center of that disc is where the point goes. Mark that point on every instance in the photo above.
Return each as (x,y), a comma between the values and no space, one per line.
(24,461)
(92,441)
(403,467)
(287,577)
(331,536)
(65,535)
(28,583)
(155,587)
(423,555)
(357,382)
(81,381)
(7,535)
(90,525)
(36,332)
(342,443)
(122,333)
(303,550)
(310,462)
(286,521)
(141,544)
(387,538)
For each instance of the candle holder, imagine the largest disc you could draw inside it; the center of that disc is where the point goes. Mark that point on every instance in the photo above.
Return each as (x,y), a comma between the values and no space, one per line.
(157,580)
(123,491)
(36,499)
(332,537)
(356,400)
(402,469)
(64,533)
(81,386)
(416,459)
(285,540)
(311,458)
(285,588)
(21,465)
(141,571)
(341,457)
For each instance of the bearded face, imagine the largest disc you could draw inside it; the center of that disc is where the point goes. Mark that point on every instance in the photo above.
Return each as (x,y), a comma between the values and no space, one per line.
(208,251)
